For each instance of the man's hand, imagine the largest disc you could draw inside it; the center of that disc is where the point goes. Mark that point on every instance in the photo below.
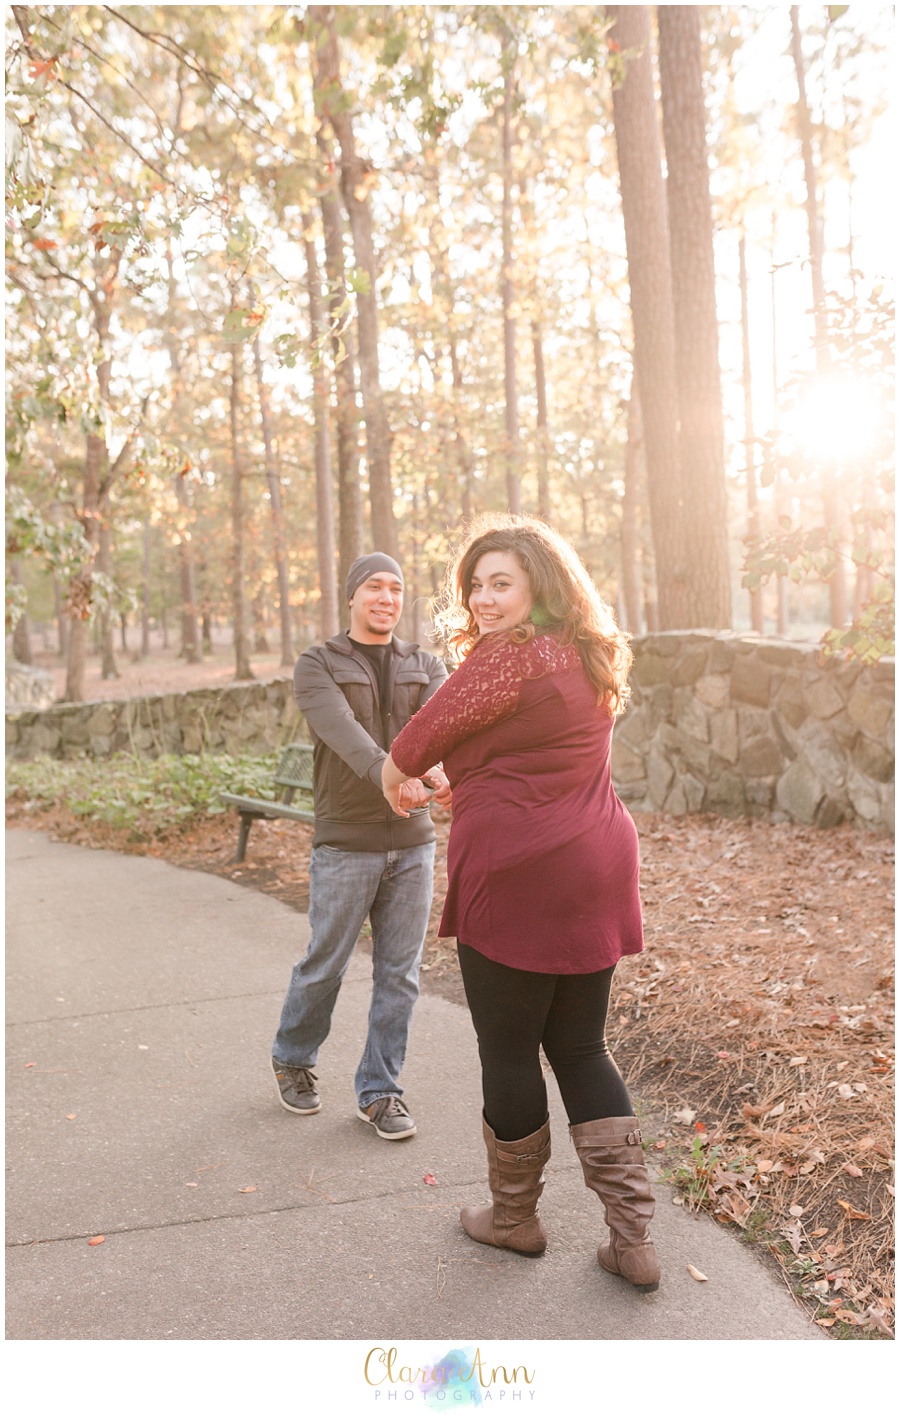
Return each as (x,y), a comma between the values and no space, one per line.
(412,794)
(436,778)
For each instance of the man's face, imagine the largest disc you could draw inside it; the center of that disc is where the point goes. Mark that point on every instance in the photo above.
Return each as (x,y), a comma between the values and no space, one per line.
(375,608)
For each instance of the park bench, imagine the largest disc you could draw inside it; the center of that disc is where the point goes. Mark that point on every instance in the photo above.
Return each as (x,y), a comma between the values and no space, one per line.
(293,774)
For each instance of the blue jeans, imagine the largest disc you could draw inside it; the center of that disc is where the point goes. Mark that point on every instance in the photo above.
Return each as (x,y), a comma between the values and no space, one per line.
(393,889)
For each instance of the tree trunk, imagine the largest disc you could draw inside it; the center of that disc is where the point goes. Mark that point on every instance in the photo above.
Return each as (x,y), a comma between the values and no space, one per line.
(753,527)
(190,649)
(242,670)
(103,564)
(837,584)
(782,582)
(649,272)
(21,639)
(357,176)
(275,504)
(701,435)
(145,589)
(510,387)
(350,501)
(543,434)
(631,581)
(62,622)
(328,595)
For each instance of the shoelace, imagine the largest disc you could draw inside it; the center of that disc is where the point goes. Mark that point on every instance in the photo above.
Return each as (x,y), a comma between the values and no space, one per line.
(395,1109)
(303,1078)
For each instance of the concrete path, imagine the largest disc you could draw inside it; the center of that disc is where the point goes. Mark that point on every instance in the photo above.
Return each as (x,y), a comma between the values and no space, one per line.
(142,1004)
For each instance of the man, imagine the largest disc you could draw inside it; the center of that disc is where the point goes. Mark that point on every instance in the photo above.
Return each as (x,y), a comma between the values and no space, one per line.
(357,692)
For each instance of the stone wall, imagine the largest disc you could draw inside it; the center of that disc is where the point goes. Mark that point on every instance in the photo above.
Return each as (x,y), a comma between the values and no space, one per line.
(747,726)
(241,717)
(740,726)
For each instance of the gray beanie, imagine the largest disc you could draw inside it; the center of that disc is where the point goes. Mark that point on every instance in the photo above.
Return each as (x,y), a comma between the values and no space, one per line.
(368,564)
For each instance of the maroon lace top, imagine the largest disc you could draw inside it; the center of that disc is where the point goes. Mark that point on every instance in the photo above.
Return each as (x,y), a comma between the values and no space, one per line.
(543,860)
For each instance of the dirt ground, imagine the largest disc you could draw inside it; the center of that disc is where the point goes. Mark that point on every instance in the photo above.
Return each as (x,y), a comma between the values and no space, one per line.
(757,1028)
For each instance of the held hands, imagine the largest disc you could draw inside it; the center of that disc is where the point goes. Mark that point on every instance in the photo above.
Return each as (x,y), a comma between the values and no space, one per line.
(436,778)
(407,793)
(410,795)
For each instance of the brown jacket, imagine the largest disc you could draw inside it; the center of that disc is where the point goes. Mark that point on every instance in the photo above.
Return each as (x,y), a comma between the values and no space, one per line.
(336,691)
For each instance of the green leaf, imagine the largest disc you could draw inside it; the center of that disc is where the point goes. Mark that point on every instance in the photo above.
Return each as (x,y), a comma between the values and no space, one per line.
(241,323)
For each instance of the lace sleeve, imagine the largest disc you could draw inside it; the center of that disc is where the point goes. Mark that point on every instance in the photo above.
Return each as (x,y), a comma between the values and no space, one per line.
(483,691)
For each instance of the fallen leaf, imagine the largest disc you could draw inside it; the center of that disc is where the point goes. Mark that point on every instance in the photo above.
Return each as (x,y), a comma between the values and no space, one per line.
(845,1091)
(430,1179)
(826,1321)
(800,1059)
(247,1189)
(777,1111)
(852,1212)
(796,1210)
(819,1232)
(684,1115)
(852,1170)
(700,1127)
(71,1115)
(32,1064)
(192,1184)
(722,1054)
(764,1165)
(95,1241)
(697,1275)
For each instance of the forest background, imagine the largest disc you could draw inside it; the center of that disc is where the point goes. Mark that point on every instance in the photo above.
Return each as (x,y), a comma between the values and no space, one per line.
(286,283)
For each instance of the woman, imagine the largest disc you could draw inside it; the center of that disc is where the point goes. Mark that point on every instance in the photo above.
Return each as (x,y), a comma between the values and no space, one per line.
(543,868)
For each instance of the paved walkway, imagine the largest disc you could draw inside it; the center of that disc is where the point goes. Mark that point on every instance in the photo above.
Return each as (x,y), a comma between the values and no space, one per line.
(142,1003)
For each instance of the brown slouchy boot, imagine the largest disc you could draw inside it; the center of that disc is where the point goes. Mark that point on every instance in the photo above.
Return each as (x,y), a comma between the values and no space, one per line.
(516,1180)
(613,1165)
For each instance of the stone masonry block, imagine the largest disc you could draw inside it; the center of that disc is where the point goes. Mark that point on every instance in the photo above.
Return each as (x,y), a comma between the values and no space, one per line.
(873,760)
(724,734)
(800,792)
(761,757)
(824,698)
(751,681)
(713,689)
(871,714)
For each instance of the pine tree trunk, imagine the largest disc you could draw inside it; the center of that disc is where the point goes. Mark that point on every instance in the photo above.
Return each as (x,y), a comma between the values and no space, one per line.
(649,272)
(328,597)
(276,507)
(21,639)
(357,176)
(242,670)
(543,434)
(753,526)
(701,436)
(145,588)
(190,649)
(513,455)
(837,584)
(108,668)
(350,501)
(631,582)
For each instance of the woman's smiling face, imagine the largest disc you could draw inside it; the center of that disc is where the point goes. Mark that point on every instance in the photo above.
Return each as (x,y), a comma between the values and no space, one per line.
(500,596)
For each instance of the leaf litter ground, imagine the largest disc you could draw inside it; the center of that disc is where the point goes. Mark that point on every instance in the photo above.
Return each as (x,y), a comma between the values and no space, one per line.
(756,1029)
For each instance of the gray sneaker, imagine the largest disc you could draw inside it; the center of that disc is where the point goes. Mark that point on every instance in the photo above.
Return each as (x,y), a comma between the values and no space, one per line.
(295,1088)
(389,1117)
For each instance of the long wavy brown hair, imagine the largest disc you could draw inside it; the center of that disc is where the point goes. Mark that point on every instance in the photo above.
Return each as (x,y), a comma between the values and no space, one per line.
(565,601)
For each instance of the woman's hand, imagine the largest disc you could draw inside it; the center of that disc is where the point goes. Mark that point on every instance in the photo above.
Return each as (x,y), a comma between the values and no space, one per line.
(402,792)
(436,778)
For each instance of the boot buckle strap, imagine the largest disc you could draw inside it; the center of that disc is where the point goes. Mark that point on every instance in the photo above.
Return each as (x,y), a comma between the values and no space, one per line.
(634,1138)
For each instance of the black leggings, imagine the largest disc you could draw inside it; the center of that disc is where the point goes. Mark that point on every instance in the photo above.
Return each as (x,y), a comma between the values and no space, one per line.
(514,1013)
